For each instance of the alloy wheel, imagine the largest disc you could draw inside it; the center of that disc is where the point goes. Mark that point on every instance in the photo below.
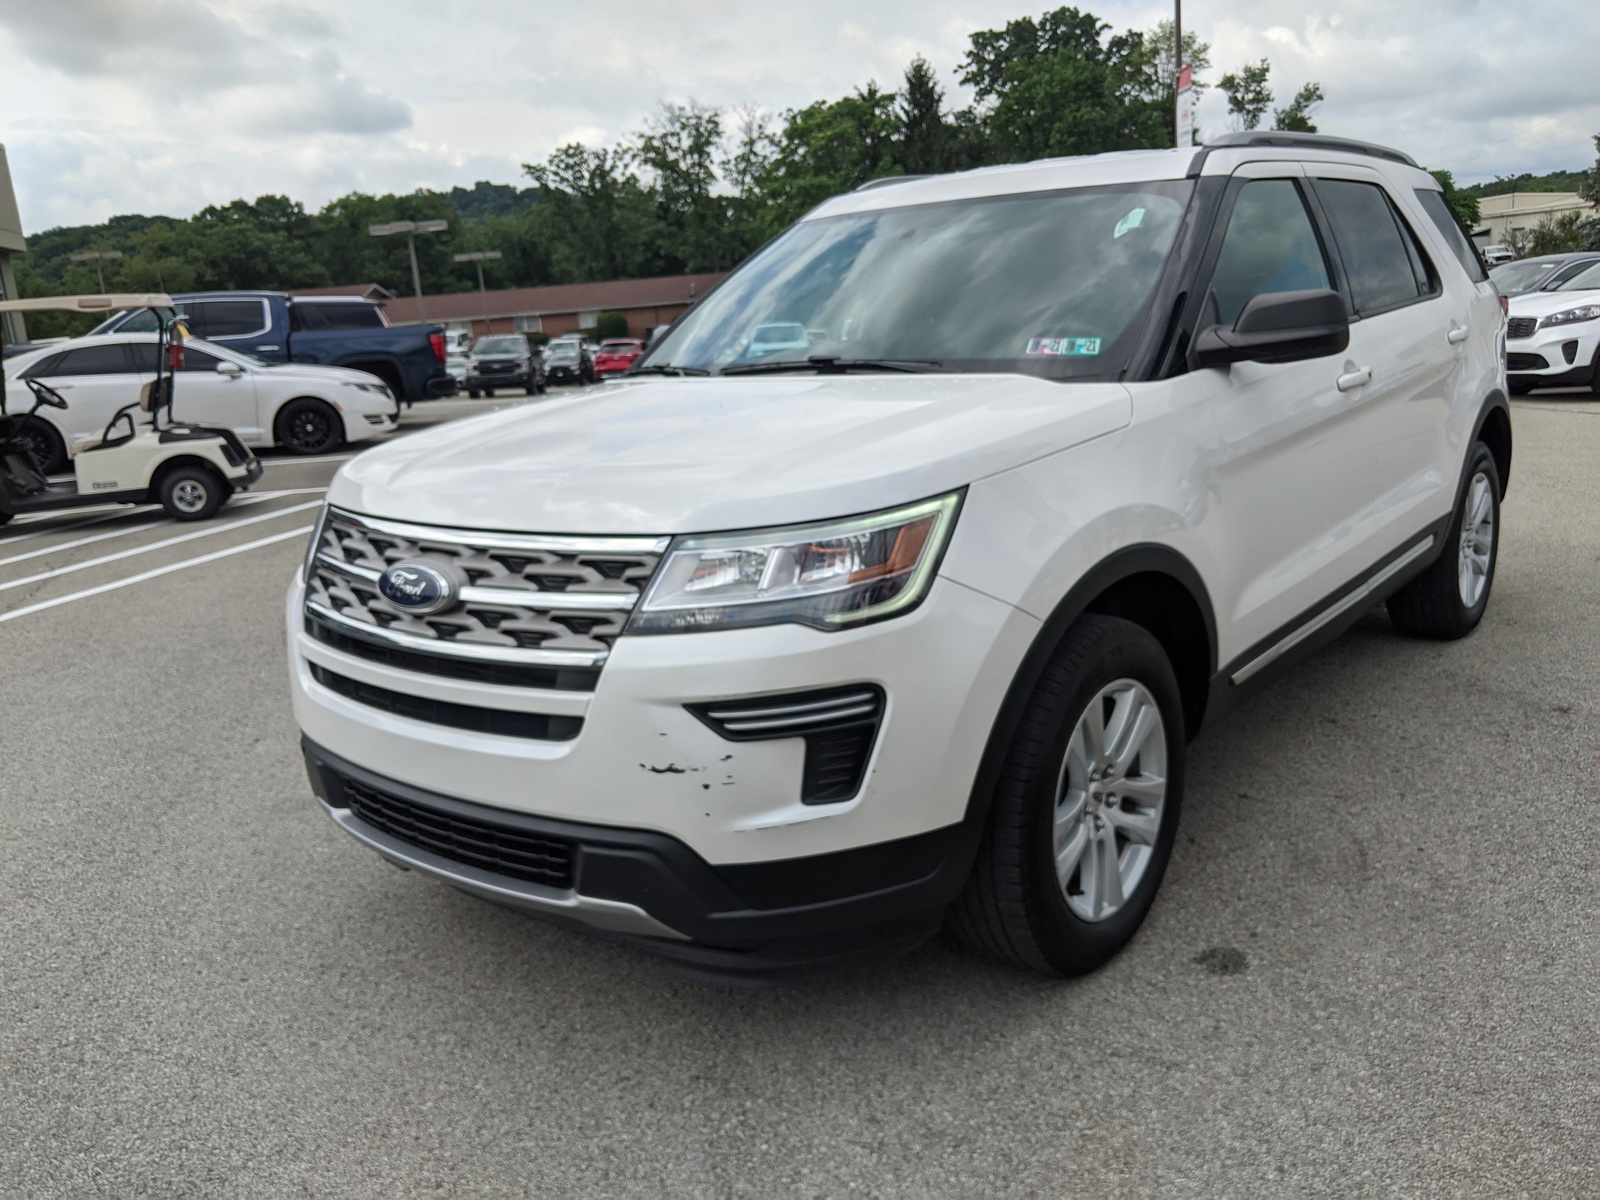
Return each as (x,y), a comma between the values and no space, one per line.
(1477,540)
(190,496)
(1110,794)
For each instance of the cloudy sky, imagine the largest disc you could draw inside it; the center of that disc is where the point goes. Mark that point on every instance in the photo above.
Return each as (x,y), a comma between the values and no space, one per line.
(164,106)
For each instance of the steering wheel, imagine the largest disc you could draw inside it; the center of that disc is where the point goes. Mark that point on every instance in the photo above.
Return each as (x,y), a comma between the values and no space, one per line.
(46,394)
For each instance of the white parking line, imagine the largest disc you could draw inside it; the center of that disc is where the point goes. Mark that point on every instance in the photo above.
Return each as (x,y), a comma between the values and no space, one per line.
(303,462)
(152,574)
(83,541)
(73,526)
(161,545)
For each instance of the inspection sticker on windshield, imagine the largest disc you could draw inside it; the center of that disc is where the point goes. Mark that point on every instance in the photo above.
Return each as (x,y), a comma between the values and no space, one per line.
(1064,347)
(1132,221)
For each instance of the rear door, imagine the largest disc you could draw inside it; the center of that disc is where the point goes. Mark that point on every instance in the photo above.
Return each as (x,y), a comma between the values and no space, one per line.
(95,380)
(1408,335)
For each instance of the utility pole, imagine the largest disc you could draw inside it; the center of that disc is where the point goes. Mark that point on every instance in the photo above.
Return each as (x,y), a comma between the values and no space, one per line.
(411,229)
(478,258)
(97,257)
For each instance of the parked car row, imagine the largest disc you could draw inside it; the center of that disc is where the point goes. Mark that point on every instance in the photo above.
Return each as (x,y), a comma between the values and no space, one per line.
(1553,327)
(305,409)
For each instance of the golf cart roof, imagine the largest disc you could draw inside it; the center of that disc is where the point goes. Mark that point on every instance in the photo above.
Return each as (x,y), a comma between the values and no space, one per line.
(92,303)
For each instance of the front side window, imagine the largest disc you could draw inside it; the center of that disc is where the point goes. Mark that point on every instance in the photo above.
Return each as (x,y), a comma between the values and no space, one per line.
(1382,262)
(1585,280)
(1270,246)
(1519,276)
(1051,283)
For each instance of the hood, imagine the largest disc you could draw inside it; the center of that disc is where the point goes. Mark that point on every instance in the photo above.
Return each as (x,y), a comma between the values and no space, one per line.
(1542,304)
(318,372)
(663,456)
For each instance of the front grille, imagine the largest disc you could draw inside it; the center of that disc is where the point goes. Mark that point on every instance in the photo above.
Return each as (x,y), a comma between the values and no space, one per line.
(529,600)
(1526,362)
(539,726)
(561,679)
(475,843)
(1521,327)
(496,368)
(839,726)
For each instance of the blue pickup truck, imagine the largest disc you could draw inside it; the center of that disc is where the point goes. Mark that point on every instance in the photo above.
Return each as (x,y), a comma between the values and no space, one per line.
(337,331)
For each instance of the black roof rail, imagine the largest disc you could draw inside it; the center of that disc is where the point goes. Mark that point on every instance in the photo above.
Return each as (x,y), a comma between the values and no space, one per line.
(886,181)
(1308,141)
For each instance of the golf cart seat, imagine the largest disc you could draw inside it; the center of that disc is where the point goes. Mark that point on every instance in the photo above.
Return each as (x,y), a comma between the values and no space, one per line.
(121,429)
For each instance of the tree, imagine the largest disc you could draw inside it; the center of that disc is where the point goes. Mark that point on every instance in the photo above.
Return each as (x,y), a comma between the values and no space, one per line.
(1059,86)
(595,216)
(828,148)
(744,169)
(1248,94)
(1296,118)
(1589,185)
(679,151)
(1463,205)
(927,142)
(1196,54)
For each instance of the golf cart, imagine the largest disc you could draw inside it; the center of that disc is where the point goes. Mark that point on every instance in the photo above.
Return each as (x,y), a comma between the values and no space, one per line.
(140,457)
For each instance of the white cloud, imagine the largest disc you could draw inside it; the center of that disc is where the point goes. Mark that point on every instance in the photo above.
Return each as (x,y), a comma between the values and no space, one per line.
(169,105)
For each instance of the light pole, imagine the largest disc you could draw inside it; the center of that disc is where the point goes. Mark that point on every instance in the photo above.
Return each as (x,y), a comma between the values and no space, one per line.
(479,257)
(97,257)
(411,229)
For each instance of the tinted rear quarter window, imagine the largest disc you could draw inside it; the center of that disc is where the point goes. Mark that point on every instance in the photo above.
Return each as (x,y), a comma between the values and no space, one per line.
(1381,261)
(1466,253)
(352,316)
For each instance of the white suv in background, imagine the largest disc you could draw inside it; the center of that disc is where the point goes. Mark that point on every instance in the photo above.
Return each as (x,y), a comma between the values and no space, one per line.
(1553,337)
(767,659)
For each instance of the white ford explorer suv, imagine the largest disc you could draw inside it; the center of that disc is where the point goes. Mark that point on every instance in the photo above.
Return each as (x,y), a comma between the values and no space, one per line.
(777,653)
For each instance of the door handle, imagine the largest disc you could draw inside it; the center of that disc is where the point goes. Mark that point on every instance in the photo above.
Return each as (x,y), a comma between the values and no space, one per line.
(1458,334)
(1351,380)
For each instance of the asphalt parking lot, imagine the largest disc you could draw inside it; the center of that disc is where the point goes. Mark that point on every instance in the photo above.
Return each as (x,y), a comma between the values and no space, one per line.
(1372,968)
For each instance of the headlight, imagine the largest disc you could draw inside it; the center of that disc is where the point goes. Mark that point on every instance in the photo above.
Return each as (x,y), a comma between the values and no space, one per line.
(314,543)
(1572,316)
(376,389)
(829,576)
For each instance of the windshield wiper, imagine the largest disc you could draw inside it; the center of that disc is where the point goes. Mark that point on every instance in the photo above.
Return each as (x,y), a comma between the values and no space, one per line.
(827,364)
(667,369)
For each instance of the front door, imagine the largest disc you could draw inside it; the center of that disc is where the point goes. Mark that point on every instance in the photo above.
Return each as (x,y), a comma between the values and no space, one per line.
(1290,473)
(206,396)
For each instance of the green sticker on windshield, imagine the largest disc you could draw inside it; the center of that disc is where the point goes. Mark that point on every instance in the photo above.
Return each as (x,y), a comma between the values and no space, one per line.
(1132,221)
(1064,347)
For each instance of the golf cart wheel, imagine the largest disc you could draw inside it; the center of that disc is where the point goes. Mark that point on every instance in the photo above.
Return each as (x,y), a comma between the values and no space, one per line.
(307,426)
(191,492)
(43,445)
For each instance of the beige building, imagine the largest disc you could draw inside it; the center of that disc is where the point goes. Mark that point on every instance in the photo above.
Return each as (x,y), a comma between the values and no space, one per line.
(11,242)
(1502,218)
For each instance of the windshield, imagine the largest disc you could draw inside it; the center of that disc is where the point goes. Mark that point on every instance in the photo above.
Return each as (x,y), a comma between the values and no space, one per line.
(501,345)
(1583,281)
(1047,283)
(1514,277)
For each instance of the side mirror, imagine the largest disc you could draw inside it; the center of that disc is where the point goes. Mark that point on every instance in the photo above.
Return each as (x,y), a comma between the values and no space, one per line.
(229,368)
(1278,327)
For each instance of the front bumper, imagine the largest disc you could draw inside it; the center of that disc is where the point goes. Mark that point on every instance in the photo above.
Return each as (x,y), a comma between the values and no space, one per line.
(1563,355)
(642,766)
(498,379)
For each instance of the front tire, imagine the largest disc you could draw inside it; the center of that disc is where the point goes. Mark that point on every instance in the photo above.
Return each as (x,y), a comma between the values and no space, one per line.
(192,492)
(1086,809)
(1448,599)
(43,446)
(309,426)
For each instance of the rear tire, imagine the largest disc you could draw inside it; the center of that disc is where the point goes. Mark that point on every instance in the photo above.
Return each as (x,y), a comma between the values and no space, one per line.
(191,492)
(1448,600)
(472,393)
(489,392)
(1086,809)
(309,426)
(43,445)
(1594,374)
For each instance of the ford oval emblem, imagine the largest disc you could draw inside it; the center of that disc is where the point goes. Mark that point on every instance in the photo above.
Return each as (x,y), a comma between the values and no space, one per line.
(417,588)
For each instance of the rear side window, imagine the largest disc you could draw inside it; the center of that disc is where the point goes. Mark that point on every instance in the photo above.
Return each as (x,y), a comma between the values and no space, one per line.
(1384,266)
(339,316)
(227,318)
(142,356)
(198,360)
(1270,246)
(93,360)
(1466,253)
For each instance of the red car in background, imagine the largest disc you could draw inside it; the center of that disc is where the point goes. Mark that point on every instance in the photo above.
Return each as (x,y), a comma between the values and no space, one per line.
(616,355)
